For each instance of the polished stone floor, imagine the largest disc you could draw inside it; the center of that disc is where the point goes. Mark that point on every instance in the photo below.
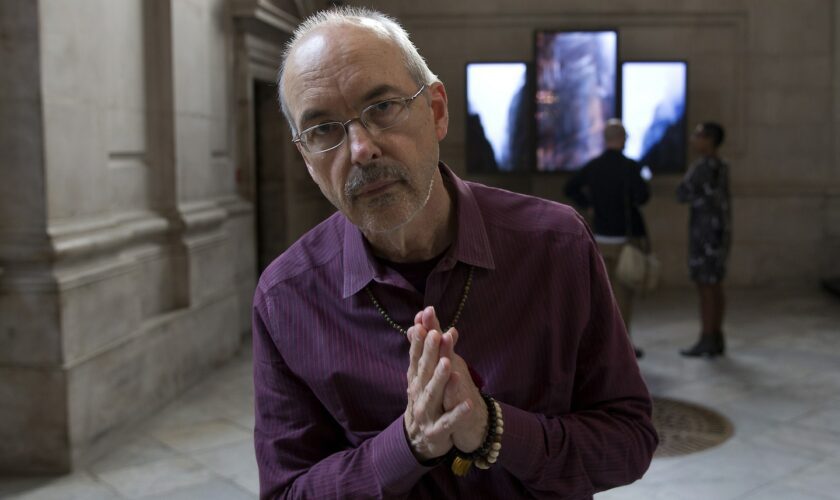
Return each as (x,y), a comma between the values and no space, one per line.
(779,385)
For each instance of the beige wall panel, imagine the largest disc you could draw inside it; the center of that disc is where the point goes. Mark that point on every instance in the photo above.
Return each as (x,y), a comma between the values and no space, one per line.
(130,381)
(195,179)
(210,268)
(788,155)
(77,184)
(801,71)
(95,107)
(124,87)
(202,99)
(158,278)
(788,27)
(86,328)
(72,74)
(33,430)
(30,332)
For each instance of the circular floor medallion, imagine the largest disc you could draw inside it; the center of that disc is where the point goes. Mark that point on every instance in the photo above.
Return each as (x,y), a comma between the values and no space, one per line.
(687,427)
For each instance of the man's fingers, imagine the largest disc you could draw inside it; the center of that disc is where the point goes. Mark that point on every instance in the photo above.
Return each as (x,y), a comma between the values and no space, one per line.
(414,352)
(429,357)
(451,393)
(454,333)
(430,319)
(447,343)
(430,401)
(451,419)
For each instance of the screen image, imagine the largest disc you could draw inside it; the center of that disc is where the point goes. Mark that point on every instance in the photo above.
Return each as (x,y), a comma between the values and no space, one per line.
(653,109)
(575,96)
(498,117)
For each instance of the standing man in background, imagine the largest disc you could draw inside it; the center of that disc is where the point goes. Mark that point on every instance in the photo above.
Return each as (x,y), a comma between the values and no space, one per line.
(363,387)
(613,187)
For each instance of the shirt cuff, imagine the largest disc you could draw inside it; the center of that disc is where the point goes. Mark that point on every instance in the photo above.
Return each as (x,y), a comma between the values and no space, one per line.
(523,442)
(395,465)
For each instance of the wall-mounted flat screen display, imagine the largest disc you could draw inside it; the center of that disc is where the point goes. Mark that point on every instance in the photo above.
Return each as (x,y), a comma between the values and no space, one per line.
(498,129)
(575,96)
(653,109)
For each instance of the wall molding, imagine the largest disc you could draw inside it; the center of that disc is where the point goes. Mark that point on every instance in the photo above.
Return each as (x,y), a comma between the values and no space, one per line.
(265,12)
(81,251)
(575,19)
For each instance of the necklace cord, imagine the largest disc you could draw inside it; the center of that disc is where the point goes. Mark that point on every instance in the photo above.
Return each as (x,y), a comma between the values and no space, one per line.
(402,330)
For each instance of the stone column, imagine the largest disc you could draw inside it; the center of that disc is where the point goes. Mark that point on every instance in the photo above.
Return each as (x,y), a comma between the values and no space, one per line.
(33,406)
(125,247)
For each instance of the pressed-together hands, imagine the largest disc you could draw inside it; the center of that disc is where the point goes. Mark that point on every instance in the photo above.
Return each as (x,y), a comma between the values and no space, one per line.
(445,407)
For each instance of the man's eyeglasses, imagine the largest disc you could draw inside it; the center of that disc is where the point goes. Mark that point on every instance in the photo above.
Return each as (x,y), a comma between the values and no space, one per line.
(378,116)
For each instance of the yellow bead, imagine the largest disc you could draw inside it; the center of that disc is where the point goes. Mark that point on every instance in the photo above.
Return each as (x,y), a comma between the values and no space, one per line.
(460,466)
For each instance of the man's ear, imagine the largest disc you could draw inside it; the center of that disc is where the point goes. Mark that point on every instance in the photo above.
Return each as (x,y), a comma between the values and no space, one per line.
(440,109)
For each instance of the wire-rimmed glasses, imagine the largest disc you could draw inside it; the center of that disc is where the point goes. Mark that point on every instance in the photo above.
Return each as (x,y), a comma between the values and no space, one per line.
(378,116)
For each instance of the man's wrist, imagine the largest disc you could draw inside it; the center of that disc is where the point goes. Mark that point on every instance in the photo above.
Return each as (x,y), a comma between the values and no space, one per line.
(486,454)
(396,467)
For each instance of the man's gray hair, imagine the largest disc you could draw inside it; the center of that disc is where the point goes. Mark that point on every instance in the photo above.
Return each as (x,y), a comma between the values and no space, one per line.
(614,130)
(379,23)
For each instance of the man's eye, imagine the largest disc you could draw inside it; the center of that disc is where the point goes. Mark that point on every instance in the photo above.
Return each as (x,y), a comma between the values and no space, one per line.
(383,107)
(323,129)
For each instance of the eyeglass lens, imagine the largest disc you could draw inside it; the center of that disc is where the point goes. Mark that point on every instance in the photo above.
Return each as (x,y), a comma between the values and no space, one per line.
(379,116)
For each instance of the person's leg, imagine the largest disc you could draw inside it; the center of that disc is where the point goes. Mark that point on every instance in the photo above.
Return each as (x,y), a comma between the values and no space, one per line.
(720,306)
(623,294)
(711,316)
(610,255)
(708,309)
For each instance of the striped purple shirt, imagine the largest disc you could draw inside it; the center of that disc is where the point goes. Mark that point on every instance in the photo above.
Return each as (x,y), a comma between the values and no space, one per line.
(540,327)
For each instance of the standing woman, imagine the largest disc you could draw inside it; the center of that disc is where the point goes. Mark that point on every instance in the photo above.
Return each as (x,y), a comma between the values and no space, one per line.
(706,188)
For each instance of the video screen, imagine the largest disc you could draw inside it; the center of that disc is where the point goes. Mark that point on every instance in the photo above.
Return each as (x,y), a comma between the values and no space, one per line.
(498,117)
(575,96)
(653,109)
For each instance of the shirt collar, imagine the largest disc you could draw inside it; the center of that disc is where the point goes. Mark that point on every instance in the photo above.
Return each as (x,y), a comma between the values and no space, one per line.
(471,245)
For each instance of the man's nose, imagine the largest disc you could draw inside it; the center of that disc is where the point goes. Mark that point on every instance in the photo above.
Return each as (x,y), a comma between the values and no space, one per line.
(363,147)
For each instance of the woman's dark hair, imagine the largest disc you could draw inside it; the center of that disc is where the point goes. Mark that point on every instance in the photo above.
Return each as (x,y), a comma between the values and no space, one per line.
(713,131)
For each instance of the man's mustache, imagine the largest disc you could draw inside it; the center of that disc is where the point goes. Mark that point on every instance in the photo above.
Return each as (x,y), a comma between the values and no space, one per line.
(362,176)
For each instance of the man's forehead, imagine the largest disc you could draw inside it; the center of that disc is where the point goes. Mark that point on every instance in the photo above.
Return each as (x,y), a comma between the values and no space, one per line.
(340,52)
(340,40)
(354,64)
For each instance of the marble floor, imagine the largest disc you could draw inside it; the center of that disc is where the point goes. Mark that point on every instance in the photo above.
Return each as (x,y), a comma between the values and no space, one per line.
(779,385)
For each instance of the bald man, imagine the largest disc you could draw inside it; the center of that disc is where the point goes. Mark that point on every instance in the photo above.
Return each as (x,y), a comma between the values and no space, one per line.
(612,187)
(434,338)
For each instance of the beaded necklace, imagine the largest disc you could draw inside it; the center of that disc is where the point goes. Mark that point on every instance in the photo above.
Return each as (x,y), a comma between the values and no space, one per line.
(402,330)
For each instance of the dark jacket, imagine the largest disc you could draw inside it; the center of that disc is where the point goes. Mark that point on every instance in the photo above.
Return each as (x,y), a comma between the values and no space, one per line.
(608,184)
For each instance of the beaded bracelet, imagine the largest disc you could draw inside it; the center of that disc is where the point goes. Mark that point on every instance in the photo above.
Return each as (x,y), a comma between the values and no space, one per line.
(485,455)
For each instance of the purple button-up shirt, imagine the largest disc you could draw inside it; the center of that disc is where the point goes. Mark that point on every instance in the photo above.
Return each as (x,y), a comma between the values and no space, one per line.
(540,327)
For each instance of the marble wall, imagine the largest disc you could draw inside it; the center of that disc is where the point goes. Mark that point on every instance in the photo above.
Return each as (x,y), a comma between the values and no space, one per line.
(764,69)
(126,247)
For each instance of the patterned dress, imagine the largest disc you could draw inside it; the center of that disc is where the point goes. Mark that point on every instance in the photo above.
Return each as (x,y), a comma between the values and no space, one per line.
(706,188)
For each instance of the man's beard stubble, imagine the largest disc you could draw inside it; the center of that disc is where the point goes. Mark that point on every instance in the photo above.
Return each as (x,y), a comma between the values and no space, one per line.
(375,172)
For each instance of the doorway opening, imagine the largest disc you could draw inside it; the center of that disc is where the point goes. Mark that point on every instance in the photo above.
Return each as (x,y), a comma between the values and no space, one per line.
(271,139)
